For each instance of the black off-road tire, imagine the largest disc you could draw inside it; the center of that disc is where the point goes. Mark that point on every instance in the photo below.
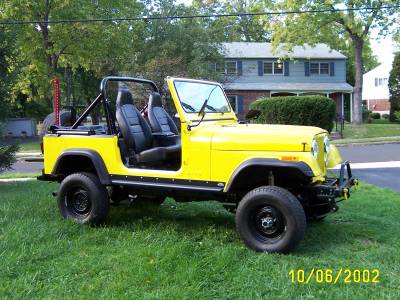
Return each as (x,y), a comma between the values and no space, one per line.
(83,198)
(65,120)
(270,219)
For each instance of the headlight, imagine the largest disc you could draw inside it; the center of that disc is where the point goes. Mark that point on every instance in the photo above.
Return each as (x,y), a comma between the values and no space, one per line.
(326,144)
(314,149)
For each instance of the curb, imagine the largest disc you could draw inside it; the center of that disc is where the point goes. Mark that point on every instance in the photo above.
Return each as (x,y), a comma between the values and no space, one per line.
(17,179)
(366,143)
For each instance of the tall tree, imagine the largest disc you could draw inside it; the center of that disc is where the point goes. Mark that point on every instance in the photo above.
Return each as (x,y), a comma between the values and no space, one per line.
(7,74)
(236,29)
(48,48)
(394,87)
(351,25)
(180,47)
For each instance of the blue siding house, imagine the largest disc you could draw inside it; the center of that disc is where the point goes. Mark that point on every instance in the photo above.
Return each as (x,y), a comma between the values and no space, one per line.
(253,70)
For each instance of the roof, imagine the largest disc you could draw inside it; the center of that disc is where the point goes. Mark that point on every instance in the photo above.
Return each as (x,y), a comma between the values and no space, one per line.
(382,70)
(265,50)
(290,87)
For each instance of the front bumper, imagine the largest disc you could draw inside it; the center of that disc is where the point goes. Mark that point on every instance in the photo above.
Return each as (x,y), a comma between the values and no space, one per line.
(323,198)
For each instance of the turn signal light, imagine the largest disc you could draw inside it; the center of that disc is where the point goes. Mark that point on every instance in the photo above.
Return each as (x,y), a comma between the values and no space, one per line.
(289,158)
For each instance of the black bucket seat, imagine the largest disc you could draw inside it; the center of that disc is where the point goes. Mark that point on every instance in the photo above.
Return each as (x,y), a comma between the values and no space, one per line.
(161,123)
(136,133)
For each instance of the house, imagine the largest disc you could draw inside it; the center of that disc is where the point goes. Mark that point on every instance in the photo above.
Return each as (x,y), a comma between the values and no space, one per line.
(376,90)
(254,70)
(20,127)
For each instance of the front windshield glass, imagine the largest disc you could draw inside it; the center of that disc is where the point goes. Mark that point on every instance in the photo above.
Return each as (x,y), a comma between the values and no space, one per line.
(193,94)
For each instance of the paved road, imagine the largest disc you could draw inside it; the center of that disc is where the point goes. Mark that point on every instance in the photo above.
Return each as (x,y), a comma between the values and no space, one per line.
(371,153)
(383,177)
(25,167)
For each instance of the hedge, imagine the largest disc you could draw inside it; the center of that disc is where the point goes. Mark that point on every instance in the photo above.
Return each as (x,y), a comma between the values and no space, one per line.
(316,111)
(375,116)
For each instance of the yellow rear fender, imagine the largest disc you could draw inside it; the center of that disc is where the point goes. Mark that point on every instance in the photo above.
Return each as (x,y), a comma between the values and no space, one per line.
(75,160)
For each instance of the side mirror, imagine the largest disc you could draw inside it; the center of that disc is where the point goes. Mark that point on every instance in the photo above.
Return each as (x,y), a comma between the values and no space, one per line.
(252,114)
(176,116)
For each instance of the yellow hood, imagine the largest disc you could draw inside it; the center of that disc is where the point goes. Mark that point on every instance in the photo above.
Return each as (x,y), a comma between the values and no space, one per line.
(263,137)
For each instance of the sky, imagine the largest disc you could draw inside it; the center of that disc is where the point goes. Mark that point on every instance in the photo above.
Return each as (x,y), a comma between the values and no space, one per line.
(383,48)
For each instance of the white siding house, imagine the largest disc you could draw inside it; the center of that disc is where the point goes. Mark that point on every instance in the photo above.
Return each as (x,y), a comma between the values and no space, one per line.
(376,90)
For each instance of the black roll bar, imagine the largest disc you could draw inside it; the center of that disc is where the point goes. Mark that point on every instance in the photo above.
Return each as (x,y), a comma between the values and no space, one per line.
(103,83)
(102,97)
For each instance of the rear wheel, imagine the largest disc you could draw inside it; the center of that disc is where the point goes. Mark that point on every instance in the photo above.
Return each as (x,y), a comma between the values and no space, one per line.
(270,219)
(83,198)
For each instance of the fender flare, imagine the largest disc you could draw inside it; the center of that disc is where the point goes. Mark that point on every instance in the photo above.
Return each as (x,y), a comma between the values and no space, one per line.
(273,163)
(92,155)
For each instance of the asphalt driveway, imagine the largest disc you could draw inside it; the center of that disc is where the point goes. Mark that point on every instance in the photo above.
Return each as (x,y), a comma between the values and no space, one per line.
(363,157)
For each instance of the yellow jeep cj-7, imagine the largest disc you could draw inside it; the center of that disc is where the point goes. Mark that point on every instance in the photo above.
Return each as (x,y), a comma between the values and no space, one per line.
(272,176)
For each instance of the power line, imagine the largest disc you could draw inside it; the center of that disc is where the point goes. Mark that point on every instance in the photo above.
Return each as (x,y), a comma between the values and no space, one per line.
(149,18)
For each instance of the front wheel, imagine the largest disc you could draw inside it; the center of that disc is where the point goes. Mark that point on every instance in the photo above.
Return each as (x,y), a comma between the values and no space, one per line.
(83,198)
(270,219)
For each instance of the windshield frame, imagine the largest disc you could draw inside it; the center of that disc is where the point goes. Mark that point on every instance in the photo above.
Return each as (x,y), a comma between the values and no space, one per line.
(205,83)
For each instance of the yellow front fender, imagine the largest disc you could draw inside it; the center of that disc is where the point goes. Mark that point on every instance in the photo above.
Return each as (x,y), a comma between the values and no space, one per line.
(334,157)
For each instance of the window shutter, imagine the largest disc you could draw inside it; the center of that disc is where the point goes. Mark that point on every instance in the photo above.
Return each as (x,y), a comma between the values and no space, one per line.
(239,65)
(286,68)
(307,68)
(332,69)
(239,104)
(260,68)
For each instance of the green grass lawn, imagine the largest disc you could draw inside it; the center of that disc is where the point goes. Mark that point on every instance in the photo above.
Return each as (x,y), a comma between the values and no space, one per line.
(379,128)
(187,250)
(30,147)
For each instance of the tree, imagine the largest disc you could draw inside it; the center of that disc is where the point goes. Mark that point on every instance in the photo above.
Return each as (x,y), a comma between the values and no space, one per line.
(394,87)
(352,26)
(49,49)
(235,29)
(180,47)
(8,70)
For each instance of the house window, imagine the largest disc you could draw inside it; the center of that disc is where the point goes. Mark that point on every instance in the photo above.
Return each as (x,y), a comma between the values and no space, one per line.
(381,81)
(232,100)
(228,67)
(273,68)
(319,68)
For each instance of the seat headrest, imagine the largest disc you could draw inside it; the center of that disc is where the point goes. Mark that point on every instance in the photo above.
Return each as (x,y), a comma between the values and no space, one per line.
(155,100)
(124,97)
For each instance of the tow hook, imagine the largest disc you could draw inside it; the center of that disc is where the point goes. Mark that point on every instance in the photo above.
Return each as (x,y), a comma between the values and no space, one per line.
(346,193)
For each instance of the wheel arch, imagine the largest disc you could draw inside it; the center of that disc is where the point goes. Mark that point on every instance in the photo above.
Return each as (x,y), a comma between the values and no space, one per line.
(253,172)
(81,160)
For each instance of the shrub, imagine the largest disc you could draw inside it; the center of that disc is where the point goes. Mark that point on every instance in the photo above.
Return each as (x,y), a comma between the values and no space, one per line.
(385,116)
(396,115)
(7,156)
(375,116)
(394,88)
(316,111)
(366,115)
